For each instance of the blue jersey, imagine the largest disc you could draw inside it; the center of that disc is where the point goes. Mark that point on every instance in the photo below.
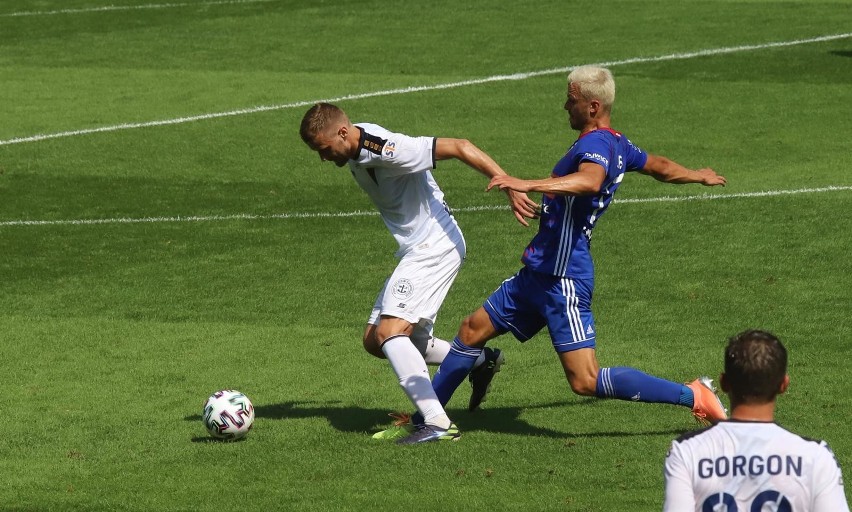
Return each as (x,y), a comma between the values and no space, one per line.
(561,246)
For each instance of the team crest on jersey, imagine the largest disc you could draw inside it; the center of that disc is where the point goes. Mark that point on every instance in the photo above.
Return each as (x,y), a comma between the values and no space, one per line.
(402,288)
(390,147)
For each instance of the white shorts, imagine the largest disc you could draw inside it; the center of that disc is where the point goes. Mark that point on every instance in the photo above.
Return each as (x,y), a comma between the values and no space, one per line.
(419,284)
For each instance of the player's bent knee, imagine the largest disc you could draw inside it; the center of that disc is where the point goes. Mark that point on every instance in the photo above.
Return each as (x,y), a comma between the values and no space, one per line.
(583,385)
(476,329)
(466,329)
(371,345)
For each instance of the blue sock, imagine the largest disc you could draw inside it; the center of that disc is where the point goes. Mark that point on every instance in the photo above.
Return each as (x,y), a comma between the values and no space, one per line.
(454,369)
(687,397)
(630,384)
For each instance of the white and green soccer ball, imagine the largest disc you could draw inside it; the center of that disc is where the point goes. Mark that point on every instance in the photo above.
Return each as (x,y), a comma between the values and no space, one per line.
(228,414)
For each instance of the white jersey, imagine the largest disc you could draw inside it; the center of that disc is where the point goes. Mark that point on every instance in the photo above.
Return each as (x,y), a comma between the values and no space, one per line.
(395,171)
(751,466)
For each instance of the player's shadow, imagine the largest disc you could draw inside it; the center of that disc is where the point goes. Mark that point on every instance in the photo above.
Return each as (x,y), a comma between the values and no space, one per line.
(505,420)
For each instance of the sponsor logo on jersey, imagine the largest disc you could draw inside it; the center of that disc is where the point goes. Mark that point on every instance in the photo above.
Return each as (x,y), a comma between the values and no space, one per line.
(598,157)
(402,288)
(390,147)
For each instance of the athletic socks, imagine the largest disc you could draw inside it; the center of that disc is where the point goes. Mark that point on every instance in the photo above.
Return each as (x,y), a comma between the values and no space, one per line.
(687,397)
(626,383)
(459,362)
(410,369)
(434,349)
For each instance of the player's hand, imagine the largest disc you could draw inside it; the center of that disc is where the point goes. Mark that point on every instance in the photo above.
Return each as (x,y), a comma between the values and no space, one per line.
(506,182)
(709,177)
(522,206)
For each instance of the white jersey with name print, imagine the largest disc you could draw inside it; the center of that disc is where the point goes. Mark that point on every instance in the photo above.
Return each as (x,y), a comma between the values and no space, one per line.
(751,467)
(395,171)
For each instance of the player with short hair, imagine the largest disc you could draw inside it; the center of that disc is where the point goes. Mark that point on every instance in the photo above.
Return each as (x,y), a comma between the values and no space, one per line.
(395,171)
(749,462)
(554,288)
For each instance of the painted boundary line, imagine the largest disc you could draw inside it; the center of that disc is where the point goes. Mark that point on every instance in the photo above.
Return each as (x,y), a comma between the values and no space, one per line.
(364,213)
(107,8)
(423,88)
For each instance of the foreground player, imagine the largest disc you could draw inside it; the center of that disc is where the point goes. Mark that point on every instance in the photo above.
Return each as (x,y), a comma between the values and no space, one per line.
(554,288)
(395,172)
(749,462)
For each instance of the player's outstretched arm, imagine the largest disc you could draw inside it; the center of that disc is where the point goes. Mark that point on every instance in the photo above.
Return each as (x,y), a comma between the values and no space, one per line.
(461,149)
(669,171)
(587,180)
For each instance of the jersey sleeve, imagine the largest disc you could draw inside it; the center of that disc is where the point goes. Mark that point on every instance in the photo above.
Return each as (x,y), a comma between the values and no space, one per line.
(829,495)
(636,158)
(403,154)
(679,495)
(594,148)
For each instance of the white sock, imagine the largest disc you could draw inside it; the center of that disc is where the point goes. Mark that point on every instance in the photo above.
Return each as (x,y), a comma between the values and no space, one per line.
(410,369)
(434,350)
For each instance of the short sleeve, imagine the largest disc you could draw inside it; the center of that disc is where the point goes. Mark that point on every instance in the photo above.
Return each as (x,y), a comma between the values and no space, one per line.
(679,494)
(408,154)
(636,158)
(829,495)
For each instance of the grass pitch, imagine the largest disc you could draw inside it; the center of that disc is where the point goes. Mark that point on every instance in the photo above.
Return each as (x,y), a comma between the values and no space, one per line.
(164,233)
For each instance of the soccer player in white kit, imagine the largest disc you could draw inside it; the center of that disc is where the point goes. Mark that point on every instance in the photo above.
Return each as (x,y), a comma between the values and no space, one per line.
(395,171)
(749,463)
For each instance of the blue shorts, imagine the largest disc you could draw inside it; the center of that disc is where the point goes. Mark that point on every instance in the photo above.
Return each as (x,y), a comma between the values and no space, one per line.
(529,300)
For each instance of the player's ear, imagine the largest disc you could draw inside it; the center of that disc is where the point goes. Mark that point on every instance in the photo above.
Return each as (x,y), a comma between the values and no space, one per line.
(594,107)
(784,384)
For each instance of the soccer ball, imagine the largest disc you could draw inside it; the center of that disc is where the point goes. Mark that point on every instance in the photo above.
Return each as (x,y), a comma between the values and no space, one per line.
(228,414)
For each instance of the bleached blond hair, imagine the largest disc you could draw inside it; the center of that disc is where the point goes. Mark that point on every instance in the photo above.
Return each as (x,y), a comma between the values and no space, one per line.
(594,83)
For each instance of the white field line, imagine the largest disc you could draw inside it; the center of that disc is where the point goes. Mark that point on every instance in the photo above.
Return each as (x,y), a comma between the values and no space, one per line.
(363,213)
(421,88)
(107,8)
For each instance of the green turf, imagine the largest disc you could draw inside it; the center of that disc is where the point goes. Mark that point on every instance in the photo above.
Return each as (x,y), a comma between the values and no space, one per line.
(113,334)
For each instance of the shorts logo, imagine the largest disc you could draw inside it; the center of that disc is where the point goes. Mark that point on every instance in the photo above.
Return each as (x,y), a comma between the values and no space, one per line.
(402,289)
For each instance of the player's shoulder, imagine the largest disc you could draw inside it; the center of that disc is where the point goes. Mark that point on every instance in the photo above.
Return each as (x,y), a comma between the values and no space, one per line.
(818,445)
(373,128)
(793,437)
(601,139)
(374,138)
(380,131)
(732,427)
(594,137)
(693,434)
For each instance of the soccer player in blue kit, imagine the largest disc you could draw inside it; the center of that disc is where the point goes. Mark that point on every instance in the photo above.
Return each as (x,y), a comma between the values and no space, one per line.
(554,288)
